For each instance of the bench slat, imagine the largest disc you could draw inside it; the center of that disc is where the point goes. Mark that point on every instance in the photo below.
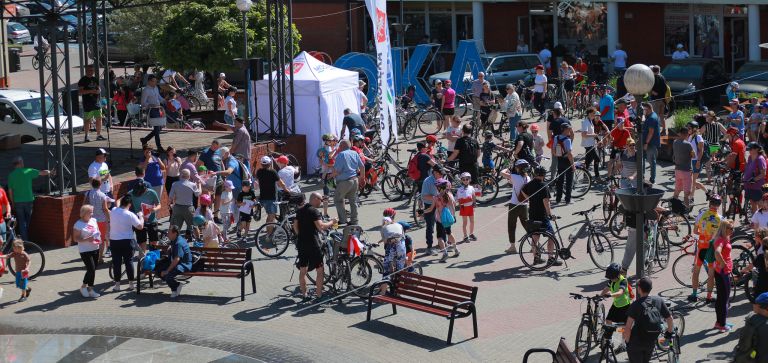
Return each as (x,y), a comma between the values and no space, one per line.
(213,274)
(564,354)
(464,295)
(413,305)
(429,291)
(428,299)
(237,256)
(437,281)
(222,266)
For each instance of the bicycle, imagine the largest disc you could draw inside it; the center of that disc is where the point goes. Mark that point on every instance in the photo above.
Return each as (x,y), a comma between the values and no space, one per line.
(655,250)
(36,255)
(734,208)
(272,239)
(591,320)
(46,61)
(292,161)
(582,180)
(489,187)
(671,346)
(610,200)
(344,272)
(599,248)
(673,225)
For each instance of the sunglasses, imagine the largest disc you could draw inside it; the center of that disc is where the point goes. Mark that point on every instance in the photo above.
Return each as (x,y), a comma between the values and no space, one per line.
(465,179)
(631,144)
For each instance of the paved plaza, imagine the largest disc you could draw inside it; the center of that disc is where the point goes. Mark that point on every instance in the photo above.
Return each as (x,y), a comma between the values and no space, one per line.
(517,309)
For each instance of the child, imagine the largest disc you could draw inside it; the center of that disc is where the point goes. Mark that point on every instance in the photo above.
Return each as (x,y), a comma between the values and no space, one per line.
(705,227)
(618,288)
(444,200)
(326,154)
(488,147)
(245,201)
(226,208)
(409,252)
(723,268)
(452,133)
(538,142)
(393,236)
(22,263)
(205,206)
(209,232)
(466,197)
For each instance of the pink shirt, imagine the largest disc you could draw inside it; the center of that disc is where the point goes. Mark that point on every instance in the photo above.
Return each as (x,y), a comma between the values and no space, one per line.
(726,252)
(449,95)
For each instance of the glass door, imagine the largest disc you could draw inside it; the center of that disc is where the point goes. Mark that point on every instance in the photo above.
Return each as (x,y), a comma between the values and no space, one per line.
(737,44)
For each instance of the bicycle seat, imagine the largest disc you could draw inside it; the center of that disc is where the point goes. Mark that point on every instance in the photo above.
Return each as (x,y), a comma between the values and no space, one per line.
(279,142)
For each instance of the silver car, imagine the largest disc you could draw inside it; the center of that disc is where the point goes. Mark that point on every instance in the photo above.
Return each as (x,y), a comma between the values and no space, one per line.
(17,33)
(500,69)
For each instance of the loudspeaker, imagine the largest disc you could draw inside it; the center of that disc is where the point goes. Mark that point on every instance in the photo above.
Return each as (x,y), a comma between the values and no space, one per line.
(256,66)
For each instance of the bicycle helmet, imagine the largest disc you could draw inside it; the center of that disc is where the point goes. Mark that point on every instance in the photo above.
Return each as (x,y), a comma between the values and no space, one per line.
(389,212)
(521,163)
(367,140)
(358,137)
(198,220)
(465,175)
(613,271)
(205,199)
(442,182)
(487,133)
(693,124)
(715,199)
(540,171)
(762,299)
(734,85)
(327,137)
(431,138)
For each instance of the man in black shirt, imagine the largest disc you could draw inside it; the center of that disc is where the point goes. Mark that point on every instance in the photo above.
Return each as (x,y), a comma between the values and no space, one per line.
(658,92)
(467,150)
(638,334)
(307,225)
(524,144)
(268,183)
(555,128)
(424,163)
(539,211)
(88,88)
(352,121)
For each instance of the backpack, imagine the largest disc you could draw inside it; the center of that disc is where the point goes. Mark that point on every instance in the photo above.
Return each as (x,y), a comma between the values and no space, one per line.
(746,349)
(413,167)
(705,155)
(651,322)
(559,150)
(668,95)
(245,173)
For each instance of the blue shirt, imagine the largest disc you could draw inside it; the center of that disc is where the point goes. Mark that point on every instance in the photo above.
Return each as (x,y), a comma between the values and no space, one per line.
(180,249)
(737,120)
(428,187)
(346,165)
(153,174)
(652,121)
(211,159)
(607,101)
(235,176)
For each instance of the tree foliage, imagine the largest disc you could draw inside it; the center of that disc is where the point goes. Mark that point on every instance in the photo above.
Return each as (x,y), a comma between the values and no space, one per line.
(134,26)
(207,34)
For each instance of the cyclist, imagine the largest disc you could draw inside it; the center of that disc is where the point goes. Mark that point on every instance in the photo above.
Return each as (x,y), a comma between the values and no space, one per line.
(537,194)
(607,109)
(431,142)
(618,138)
(705,226)
(326,154)
(409,251)
(488,148)
(618,288)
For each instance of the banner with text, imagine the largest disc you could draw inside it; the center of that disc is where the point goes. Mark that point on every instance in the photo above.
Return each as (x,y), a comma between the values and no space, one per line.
(386,95)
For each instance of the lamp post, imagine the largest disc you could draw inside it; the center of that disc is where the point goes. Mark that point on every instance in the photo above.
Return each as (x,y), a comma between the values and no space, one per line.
(639,81)
(244,6)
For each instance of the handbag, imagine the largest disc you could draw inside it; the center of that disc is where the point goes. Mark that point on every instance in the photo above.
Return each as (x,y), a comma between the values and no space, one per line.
(156,117)
(446,217)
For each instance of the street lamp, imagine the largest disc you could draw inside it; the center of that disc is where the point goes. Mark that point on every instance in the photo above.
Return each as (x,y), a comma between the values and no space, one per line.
(244,6)
(639,81)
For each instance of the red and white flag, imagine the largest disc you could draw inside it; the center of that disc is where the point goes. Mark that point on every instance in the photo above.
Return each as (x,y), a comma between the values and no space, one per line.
(354,246)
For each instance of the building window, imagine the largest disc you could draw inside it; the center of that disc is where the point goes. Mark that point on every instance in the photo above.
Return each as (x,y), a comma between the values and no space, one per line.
(706,30)
(581,27)
(677,28)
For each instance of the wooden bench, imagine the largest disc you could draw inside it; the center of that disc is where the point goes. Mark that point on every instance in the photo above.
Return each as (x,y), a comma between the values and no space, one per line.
(430,295)
(563,354)
(219,262)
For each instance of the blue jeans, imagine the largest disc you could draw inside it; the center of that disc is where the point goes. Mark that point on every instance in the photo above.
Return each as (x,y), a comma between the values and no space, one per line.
(429,219)
(229,120)
(21,282)
(170,278)
(24,216)
(650,156)
(513,120)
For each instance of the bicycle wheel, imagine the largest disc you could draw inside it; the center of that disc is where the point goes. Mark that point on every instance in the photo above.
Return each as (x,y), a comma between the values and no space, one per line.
(430,122)
(408,129)
(750,281)
(272,239)
(462,106)
(583,341)
(230,245)
(47,61)
(618,226)
(360,275)
(683,269)
(416,268)
(35,63)
(392,187)
(417,211)
(534,252)
(607,206)
(36,260)
(600,250)
(489,189)
(662,252)
(194,103)
(582,182)
(674,227)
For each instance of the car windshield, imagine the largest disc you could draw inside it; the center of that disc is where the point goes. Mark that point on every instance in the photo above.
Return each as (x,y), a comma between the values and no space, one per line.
(755,72)
(683,71)
(31,108)
(69,19)
(16,26)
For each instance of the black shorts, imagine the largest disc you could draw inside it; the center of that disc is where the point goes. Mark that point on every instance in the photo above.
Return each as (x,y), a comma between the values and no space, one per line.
(149,233)
(616,152)
(448,111)
(608,124)
(568,85)
(442,231)
(311,259)
(618,315)
(245,217)
(408,244)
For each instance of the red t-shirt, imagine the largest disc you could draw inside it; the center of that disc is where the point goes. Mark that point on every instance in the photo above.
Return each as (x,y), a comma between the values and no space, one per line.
(726,253)
(3,203)
(580,67)
(740,149)
(620,138)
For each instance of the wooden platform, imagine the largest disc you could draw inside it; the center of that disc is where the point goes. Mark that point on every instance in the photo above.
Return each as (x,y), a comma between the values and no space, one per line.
(122,144)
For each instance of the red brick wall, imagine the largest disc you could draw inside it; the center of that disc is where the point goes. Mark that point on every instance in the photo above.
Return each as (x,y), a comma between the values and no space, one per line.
(643,35)
(501,25)
(326,34)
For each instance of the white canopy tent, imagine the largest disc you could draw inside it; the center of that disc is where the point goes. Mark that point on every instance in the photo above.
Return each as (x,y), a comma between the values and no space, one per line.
(321,94)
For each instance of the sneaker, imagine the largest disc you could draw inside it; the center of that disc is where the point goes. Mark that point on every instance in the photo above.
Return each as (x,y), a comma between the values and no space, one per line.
(108,253)
(710,300)
(100,138)
(116,288)
(465,240)
(456,252)
(432,251)
(178,290)
(537,260)
(557,262)
(174,294)
(84,292)
(445,257)
(693,298)
(131,286)
(726,328)
(93,294)
(511,250)
(1,292)
(23,299)
(472,237)
(86,139)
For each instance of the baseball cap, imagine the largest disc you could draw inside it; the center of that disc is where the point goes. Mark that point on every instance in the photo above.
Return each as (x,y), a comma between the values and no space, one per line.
(283,159)
(222,75)
(762,299)
(534,127)
(265,160)
(732,131)
(539,66)
(101,151)
(558,106)
(679,45)
(735,100)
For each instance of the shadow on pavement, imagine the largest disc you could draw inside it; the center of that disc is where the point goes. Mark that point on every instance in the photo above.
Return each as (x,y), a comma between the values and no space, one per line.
(278,307)
(66,298)
(430,343)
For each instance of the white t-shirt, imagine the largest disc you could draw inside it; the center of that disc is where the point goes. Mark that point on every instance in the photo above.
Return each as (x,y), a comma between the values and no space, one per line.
(695,146)
(286,175)
(247,206)
(100,170)
(122,222)
(168,75)
(680,54)
(230,103)
(518,182)
(451,131)
(587,127)
(465,195)
(87,230)
(539,83)
(545,56)
(361,99)
(619,59)
(760,218)
(226,201)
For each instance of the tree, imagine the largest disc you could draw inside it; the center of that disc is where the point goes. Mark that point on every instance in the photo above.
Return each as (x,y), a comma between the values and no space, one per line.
(134,26)
(207,34)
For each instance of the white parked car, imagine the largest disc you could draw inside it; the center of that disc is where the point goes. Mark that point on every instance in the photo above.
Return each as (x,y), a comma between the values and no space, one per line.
(20,113)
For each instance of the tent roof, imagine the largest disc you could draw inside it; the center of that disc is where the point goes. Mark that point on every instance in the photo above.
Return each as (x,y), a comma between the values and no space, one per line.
(312,76)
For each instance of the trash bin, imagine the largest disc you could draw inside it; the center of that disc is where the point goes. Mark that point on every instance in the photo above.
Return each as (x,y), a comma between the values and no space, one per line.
(14,60)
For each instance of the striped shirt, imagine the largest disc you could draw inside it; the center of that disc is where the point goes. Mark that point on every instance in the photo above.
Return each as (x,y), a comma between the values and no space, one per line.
(712,132)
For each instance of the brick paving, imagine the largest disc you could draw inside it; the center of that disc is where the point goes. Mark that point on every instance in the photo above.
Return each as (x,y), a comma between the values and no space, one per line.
(517,309)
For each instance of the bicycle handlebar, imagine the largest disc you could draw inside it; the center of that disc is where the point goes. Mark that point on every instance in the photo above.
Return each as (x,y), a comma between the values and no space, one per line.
(590,298)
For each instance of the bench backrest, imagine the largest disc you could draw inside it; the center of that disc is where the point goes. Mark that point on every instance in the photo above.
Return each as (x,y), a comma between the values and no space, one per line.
(432,291)
(224,258)
(564,354)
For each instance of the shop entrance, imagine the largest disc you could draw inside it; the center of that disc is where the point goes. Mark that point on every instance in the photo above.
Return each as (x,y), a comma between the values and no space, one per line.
(735,37)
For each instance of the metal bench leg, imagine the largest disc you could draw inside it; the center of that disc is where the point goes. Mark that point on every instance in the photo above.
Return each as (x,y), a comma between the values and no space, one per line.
(138,281)
(253,280)
(370,305)
(242,288)
(394,309)
(474,321)
(450,331)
